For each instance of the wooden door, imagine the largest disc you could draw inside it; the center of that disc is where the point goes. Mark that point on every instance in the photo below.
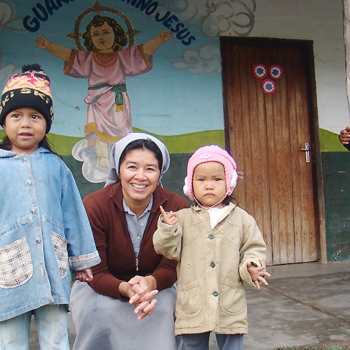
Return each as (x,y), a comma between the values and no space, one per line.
(265,133)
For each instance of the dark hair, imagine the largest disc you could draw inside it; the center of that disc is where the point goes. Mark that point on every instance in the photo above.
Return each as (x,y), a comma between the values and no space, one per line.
(120,39)
(142,144)
(6,144)
(228,199)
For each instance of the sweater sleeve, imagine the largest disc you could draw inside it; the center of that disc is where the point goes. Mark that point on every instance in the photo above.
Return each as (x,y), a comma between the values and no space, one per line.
(104,282)
(165,273)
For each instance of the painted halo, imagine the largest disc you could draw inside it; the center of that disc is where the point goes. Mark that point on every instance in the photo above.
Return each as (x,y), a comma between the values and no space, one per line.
(97,8)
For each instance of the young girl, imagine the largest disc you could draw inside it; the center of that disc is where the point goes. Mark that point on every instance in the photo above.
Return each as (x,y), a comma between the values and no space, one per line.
(106,64)
(44,230)
(217,246)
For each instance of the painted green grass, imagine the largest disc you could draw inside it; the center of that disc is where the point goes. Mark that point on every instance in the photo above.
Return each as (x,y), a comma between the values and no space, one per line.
(330,142)
(186,143)
(61,144)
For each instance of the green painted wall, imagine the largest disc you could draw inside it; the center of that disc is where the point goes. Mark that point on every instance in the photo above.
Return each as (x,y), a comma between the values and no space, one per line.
(335,165)
(176,144)
(336,180)
(180,147)
(173,179)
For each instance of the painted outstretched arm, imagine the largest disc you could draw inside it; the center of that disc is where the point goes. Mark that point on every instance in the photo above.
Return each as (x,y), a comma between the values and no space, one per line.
(151,46)
(57,50)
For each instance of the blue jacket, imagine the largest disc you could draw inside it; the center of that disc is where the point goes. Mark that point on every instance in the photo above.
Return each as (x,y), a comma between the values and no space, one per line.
(44,231)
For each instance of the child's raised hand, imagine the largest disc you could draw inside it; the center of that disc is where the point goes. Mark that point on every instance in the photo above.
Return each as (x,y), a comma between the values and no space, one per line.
(169,218)
(84,275)
(42,42)
(257,274)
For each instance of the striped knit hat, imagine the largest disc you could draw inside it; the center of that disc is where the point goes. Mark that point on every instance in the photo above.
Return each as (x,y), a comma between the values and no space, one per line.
(30,89)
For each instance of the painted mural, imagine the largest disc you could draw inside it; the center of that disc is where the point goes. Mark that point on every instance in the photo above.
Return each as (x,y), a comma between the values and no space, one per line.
(172,90)
(139,65)
(105,64)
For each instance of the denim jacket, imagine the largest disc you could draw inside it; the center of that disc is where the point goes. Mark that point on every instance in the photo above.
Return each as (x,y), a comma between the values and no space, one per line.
(44,231)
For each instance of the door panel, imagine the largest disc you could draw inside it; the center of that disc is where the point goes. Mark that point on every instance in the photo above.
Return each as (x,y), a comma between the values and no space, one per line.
(266,133)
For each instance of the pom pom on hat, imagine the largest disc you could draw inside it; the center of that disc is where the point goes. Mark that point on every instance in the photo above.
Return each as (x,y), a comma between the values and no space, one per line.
(30,89)
(206,154)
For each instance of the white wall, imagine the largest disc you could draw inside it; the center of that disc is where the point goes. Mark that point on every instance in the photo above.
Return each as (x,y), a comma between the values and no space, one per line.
(322,22)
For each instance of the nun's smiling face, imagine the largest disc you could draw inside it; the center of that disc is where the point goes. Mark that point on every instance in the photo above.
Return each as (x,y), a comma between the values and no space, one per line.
(139,173)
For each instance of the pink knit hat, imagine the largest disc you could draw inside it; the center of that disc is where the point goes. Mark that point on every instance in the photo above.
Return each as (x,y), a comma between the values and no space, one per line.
(206,154)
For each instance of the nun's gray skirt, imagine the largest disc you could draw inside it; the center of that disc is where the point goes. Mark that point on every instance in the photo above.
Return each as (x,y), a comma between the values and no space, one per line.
(105,323)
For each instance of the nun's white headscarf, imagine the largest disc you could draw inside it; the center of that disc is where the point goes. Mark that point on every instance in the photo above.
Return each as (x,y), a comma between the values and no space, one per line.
(118,148)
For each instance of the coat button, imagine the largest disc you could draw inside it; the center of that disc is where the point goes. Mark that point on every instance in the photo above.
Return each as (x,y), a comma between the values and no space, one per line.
(212,264)
(211,236)
(38,240)
(33,211)
(28,183)
(215,293)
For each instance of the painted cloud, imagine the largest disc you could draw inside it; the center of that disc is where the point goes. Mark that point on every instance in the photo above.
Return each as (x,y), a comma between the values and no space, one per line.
(204,61)
(7,20)
(216,17)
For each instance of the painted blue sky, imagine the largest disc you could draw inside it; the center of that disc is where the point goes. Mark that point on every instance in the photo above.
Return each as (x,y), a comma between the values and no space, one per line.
(181,94)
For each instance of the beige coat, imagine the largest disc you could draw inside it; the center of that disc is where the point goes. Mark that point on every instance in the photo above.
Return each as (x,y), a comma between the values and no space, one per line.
(212,265)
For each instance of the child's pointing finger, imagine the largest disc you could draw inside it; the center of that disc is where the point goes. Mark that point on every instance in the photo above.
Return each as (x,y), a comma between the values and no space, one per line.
(162,211)
(169,218)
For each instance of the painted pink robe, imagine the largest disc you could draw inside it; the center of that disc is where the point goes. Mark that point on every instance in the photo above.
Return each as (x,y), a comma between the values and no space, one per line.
(106,120)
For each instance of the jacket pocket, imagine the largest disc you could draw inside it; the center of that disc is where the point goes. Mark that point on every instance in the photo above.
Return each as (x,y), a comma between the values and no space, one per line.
(16,267)
(232,298)
(60,246)
(189,299)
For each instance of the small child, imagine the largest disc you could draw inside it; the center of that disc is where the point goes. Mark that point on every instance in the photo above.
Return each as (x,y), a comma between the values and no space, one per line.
(44,229)
(218,246)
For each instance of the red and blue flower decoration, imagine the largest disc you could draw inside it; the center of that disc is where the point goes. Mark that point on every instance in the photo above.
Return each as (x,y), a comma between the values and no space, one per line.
(268,85)
(275,71)
(260,71)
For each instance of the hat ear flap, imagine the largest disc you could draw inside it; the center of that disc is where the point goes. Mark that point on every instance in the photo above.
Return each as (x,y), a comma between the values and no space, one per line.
(185,188)
(234,179)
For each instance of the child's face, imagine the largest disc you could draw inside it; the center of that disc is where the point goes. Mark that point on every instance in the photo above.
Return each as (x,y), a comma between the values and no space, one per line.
(209,184)
(103,37)
(25,127)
